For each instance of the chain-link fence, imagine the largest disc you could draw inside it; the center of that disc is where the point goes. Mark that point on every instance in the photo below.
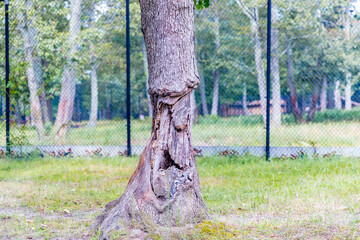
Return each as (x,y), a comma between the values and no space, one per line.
(68,77)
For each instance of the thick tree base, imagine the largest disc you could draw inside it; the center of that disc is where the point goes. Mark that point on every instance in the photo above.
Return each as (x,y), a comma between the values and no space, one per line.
(139,207)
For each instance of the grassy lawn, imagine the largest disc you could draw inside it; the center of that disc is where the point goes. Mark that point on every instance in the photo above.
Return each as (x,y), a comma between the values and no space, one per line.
(315,198)
(234,131)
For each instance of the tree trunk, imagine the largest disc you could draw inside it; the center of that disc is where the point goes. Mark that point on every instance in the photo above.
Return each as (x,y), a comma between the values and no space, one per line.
(216,72)
(292,87)
(253,15)
(258,61)
(34,70)
(347,74)
(94,95)
(276,92)
(348,92)
(314,101)
(205,110)
(303,99)
(165,187)
(215,99)
(67,94)
(93,77)
(337,95)
(244,100)
(323,96)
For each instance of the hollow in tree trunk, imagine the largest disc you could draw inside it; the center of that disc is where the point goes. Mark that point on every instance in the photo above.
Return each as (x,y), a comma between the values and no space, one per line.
(165,187)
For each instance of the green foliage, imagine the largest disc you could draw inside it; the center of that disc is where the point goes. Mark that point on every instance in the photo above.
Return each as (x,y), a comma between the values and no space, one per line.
(201,4)
(337,115)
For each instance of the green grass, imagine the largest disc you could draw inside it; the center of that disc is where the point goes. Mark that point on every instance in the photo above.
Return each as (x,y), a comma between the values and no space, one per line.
(315,198)
(210,131)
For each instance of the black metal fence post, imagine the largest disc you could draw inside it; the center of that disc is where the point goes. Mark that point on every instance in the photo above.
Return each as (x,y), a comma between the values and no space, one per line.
(268,80)
(128,100)
(7,76)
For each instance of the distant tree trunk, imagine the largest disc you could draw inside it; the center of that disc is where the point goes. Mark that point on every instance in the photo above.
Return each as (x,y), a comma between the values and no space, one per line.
(205,110)
(258,61)
(94,94)
(34,70)
(303,99)
(337,95)
(347,74)
(276,92)
(165,187)
(323,96)
(67,94)
(253,15)
(146,69)
(216,72)
(108,100)
(314,101)
(348,92)
(244,100)
(292,87)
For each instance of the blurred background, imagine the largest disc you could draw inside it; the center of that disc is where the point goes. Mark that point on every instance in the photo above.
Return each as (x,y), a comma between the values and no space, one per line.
(68,76)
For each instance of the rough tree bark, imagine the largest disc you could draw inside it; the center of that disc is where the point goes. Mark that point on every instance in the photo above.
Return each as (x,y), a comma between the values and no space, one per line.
(165,187)
(34,69)
(67,94)
(276,87)
(216,72)
(292,87)
(323,95)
